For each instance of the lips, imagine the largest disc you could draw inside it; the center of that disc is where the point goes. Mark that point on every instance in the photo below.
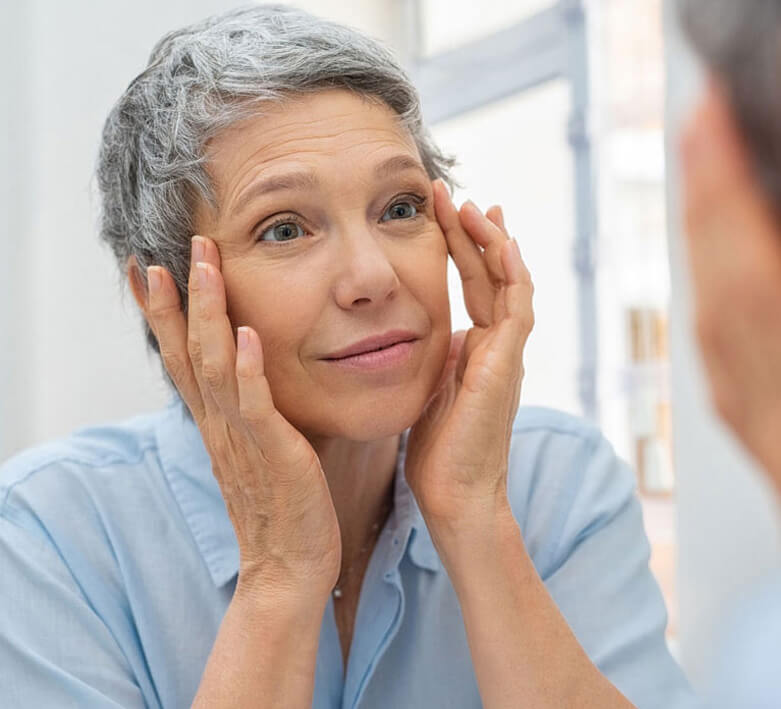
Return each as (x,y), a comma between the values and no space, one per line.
(376,342)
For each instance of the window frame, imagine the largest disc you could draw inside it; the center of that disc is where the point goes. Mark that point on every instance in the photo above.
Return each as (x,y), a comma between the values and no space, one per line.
(549,45)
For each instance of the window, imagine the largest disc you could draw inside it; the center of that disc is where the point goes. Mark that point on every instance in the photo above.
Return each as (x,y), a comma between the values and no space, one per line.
(447,25)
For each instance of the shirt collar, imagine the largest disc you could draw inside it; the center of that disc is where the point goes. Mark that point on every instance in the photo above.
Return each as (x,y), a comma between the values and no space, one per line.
(187,467)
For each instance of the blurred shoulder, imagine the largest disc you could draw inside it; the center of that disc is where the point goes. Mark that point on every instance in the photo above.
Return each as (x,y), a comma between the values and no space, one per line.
(745,672)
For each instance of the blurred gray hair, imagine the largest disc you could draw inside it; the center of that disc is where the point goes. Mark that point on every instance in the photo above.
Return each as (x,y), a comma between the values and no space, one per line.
(740,40)
(152,169)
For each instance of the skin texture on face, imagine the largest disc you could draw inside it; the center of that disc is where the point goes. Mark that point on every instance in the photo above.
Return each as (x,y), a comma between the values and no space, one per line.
(355,255)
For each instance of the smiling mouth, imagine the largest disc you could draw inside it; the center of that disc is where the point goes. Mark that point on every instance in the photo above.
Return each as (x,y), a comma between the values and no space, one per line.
(376,349)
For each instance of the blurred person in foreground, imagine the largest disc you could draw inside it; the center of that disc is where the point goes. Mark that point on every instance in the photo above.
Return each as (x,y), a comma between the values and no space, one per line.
(731,158)
(343,505)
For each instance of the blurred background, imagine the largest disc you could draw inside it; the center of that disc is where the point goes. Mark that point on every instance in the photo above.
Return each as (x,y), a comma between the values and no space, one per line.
(565,113)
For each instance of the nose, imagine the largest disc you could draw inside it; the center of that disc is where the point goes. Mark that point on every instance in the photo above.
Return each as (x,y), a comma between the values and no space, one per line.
(366,276)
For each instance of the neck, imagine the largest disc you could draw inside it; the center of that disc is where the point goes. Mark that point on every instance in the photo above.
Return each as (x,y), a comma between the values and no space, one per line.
(360,476)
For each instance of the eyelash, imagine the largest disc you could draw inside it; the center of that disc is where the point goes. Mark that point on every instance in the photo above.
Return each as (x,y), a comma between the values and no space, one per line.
(418,200)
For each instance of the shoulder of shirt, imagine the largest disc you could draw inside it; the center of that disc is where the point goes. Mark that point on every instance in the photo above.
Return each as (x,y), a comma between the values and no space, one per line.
(551,448)
(565,482)
(100,449)
(545,420)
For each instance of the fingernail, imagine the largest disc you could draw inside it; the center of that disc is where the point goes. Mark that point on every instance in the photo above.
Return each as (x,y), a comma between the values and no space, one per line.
(243,338)
(198,249)
(153,279)
(203,274)
(470,202)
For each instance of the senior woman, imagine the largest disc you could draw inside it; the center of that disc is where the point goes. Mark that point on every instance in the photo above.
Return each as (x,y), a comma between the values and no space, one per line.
(342,505)
(731,150)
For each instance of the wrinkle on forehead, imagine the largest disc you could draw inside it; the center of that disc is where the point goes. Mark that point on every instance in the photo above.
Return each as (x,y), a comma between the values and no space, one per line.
(330,123)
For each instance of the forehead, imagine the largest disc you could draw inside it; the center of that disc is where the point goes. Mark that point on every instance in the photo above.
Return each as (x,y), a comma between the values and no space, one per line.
(333,124)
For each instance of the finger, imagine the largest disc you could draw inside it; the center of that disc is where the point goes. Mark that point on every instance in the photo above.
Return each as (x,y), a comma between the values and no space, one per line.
(509,336)
(168,323)
(518,295)
(494,238)
(487,235)
(200,252)
(218,351)
(496,215)
(256,403)
(478,294)
(280,443)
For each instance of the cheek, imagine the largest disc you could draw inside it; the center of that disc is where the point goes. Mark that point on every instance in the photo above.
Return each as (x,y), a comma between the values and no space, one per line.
(432,275)
(425,274)
(280,319)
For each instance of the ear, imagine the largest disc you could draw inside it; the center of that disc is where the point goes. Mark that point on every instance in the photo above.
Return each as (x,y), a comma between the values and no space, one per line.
(137,285)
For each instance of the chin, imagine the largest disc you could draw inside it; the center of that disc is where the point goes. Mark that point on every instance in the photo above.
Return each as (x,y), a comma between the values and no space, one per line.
(372,417)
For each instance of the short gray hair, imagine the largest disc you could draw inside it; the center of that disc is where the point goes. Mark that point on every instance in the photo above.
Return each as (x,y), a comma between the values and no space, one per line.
(740,40)
(199,80)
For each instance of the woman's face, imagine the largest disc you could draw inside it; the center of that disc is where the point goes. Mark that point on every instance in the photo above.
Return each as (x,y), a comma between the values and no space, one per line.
(349,249)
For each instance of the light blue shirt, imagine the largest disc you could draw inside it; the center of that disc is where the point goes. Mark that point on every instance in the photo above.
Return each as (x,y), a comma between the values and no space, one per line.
(118,561)
(747,671)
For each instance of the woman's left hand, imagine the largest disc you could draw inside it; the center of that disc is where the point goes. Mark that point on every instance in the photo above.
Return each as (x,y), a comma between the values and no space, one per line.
(457,451)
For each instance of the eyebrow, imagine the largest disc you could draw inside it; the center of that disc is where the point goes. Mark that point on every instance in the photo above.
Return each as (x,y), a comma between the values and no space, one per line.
(309,181)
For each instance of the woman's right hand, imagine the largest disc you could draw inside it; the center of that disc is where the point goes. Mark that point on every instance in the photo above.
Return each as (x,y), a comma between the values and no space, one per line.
(271,479)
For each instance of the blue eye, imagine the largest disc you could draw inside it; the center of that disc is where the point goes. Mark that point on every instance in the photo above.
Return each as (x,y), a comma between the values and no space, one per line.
(288,228)
(285,229)
(400,210)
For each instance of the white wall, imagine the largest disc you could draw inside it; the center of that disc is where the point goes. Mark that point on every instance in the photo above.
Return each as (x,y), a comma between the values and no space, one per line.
(728,526)
(71,353)
(15,170)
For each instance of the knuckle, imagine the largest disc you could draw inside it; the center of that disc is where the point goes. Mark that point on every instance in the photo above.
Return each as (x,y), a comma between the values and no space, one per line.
(175,365)
(213,375)
(245,369)
(250,412)
(163,312)
(219,448)
(194,348)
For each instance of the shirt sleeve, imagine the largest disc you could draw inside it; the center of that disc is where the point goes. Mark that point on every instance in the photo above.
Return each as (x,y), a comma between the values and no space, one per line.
(597,572)
(55,651)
